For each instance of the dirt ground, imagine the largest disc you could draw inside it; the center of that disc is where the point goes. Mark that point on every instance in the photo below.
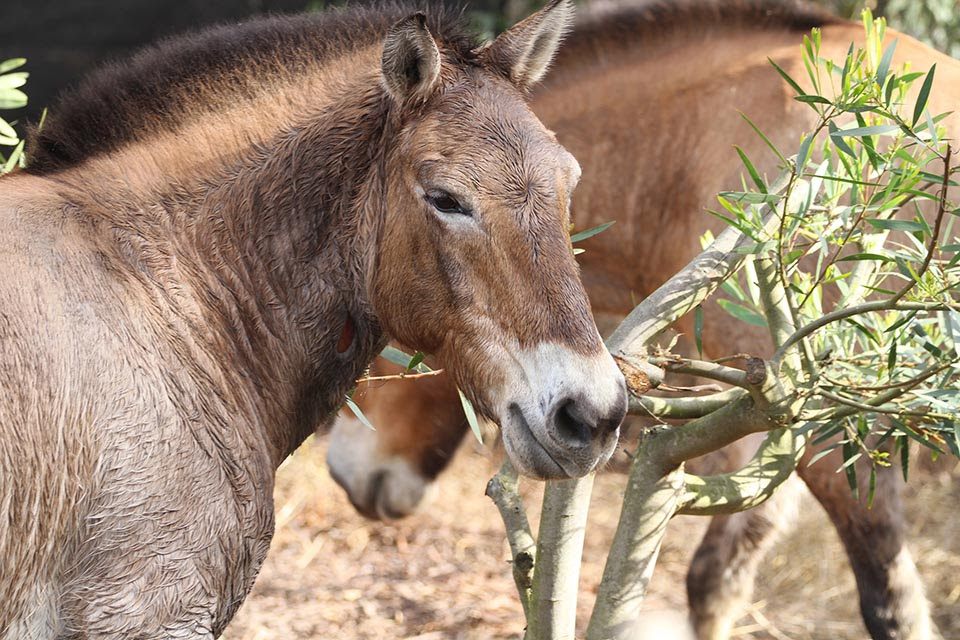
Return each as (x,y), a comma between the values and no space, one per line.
(444,573)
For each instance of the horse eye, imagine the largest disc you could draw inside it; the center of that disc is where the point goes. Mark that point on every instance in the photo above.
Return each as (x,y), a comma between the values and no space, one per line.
(446,203)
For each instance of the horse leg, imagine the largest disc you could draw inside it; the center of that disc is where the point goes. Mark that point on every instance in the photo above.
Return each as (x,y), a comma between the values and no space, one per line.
(892,601)
(721,575)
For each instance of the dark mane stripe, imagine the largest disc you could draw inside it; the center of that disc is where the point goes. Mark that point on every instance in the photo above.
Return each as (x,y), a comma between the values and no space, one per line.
(182,76)
(640,23)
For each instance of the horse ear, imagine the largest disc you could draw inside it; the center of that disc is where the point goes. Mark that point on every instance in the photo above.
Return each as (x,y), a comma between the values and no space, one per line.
(524,51)
(410,64)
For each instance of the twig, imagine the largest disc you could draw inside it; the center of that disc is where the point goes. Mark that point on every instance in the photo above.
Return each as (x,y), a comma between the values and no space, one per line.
(682,408)
(401,376)
(866,307)
(879,408)
(892,385)
(697,388)
(935,236)
(702,368)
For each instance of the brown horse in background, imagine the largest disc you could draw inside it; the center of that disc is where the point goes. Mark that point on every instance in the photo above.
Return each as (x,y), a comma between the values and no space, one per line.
(211,243)
(647,95)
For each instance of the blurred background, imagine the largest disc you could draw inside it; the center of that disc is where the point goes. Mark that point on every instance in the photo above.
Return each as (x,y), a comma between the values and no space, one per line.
(63,40)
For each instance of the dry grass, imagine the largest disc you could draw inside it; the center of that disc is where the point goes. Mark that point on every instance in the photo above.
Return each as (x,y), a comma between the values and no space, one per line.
(443,574)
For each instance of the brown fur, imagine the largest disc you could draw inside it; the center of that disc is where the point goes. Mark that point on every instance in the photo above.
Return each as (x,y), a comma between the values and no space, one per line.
(646,95)
(196,232)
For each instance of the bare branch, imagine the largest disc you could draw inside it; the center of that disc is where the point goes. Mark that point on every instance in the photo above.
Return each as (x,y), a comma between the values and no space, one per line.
(754,484)
(401,376)
(683,408)
(502,489)
(702,368)
(692,285)
(563,522)
(720,428)
(647,509)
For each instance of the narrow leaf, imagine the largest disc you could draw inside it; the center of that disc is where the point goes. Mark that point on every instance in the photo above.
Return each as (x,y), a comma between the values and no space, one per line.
(786,76)
(589,233)
(885,61)
(471,416)
(742,313)
(873,130)
(750,168)
(923,95)
(357,412)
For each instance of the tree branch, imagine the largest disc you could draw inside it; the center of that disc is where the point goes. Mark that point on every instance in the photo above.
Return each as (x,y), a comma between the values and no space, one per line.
(556,574)
(692,285)
(866,307)
(935,236)
(682,408)
(754,484)
(702,368)
(650,503)
(502,489)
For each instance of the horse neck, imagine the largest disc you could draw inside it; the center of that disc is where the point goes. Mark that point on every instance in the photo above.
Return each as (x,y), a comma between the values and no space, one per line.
(260,264)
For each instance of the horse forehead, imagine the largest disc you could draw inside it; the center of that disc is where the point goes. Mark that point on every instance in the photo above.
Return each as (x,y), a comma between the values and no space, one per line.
(489,114)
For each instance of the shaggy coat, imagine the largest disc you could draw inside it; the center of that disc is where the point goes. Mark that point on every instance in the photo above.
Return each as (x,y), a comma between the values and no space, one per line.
(210,244)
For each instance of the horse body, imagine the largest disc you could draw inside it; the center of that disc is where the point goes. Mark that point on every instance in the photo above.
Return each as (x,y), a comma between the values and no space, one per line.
(188,296)
(648,99)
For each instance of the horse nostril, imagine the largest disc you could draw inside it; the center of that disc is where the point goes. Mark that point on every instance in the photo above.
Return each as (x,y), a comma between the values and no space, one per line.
(570,425)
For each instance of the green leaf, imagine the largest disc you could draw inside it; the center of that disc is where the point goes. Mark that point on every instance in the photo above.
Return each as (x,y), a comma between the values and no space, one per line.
(786,76)
(698,329)
(904,456)
(810,99)
(896,225)
(751,170)
(740,312)
(838,141)
(751,198)
(357,412)
(873,130)
(471,416)
(803,154)
(763,137)
(589,233)
(866,256)
(885,61)
(416,360)
(396,356)
(850,455)
(873,486)
(923,95)
(11,64)
(7,130)
(15,159)
(892,359)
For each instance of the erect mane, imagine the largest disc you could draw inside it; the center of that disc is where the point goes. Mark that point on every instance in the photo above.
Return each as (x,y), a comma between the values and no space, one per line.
(178,78)
(622,23)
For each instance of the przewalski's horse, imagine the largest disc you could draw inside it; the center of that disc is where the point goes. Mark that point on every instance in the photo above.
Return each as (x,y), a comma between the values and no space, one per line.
(647,95)
(207,249)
